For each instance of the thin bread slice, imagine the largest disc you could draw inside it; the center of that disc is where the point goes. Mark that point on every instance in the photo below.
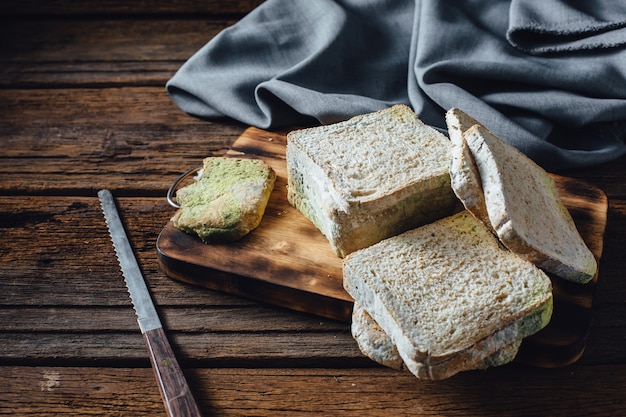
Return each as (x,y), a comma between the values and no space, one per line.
(526,211)
(378,346)
(370,177)
(372,340)
(458,122)
(464,175)
(448,294)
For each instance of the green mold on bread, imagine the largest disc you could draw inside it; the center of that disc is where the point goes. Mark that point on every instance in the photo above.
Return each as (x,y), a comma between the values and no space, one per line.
(227,201)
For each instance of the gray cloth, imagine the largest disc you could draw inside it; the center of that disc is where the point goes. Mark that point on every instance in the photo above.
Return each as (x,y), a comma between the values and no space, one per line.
(547,76)
(542,27)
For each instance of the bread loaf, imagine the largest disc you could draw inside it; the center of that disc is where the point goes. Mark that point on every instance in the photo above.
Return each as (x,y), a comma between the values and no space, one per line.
(370,177)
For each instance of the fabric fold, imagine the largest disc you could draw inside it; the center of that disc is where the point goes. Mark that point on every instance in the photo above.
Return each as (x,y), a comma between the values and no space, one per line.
(562,111)
(562,26)
(297,62)
(291,62)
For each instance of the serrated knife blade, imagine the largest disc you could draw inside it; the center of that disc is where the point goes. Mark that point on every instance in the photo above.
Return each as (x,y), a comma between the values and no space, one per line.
(175,392)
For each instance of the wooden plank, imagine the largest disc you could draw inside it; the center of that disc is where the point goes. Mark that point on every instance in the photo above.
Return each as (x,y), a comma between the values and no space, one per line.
(26,8)
(100,52)
(100,107)
(79,391)
(296,348)
(182,319)
(54,391)
(263,348)
(128,138)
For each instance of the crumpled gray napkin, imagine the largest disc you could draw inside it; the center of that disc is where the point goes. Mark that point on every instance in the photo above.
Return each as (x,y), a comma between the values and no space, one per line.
(560,97)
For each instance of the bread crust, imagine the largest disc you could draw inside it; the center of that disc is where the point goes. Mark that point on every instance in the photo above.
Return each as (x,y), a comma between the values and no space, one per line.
(466,183)
(372,340)
(464,175)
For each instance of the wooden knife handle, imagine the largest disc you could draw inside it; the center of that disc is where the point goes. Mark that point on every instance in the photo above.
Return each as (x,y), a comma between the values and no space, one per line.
(177,396)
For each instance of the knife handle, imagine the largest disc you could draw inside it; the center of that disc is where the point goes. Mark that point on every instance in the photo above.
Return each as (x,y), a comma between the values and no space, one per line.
(175,392)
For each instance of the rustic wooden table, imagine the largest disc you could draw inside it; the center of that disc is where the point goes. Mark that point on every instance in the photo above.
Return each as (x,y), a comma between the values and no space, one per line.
(83,107)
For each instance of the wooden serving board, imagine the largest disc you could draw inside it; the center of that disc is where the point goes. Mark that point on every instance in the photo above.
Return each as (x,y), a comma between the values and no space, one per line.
(287,262)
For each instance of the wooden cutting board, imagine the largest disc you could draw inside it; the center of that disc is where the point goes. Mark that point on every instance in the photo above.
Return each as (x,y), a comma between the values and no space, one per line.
(287,262)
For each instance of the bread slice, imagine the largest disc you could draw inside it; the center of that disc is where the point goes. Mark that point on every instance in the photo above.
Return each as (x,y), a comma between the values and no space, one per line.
(378,346)
(458,122)
(372,340)
(448,295)
(464,175)
(227,201)
(370,177)
(525,209)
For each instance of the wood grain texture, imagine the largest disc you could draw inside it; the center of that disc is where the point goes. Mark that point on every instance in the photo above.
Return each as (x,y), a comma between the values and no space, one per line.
(512,391)
(83,107)
(63,299)
(286,261)
(116,138)
(103,53)
(125,8)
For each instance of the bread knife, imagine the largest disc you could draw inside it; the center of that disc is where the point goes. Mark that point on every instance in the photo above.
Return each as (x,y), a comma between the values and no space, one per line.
(177,397)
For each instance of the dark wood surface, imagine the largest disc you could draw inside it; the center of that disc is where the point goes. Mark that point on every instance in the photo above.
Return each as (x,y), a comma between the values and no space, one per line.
(83,107)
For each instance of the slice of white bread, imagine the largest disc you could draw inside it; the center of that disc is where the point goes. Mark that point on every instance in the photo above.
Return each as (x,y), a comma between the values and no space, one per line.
(458,122)
(464,175)
(378,346)
(370,177)
(448,295)
(525,209)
